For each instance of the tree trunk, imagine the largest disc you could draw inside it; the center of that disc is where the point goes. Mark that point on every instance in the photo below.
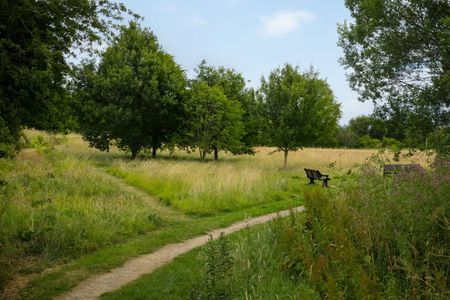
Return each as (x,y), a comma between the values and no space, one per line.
(202,154)
(154,151)
(134,153)
(285,158)
(216,153)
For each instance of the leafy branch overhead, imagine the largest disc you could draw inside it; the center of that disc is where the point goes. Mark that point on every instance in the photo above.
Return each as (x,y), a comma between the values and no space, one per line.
(398,54)
(36,40)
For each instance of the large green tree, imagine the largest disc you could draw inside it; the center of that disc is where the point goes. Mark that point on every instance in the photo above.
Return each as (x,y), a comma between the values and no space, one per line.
(214,121)
(37,39)
(134,97)
(399,56)
(300,109)
(232,84)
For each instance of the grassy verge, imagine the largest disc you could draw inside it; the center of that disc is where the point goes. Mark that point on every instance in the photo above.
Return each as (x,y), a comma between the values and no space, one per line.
(62,279)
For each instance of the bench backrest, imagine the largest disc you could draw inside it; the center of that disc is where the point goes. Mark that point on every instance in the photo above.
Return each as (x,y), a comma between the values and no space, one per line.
(397,168)
(313,174)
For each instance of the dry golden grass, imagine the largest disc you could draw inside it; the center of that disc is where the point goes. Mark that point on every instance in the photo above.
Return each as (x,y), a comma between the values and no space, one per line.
(183,181)
(323,158)
(239,181)
(265,159)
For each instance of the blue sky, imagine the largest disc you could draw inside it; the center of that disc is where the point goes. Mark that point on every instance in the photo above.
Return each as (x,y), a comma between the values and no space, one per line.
(254,37)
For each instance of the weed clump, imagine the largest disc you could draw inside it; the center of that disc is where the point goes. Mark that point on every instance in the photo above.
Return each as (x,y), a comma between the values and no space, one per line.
(216,281)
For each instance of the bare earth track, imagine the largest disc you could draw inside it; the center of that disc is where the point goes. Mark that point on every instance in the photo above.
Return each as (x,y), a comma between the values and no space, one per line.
(97,285)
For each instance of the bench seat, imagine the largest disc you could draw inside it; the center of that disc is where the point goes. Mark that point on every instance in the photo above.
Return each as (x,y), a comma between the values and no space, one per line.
(316,175)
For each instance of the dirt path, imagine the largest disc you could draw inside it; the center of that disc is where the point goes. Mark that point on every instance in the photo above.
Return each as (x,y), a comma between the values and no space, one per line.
(97,285)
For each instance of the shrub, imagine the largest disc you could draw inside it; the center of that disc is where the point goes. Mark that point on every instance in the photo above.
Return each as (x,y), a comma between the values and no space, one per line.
(9,140)
(216,283)
(439,140)
(367,142)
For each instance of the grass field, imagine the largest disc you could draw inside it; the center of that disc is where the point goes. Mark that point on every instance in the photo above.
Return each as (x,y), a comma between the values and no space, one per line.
(68,211)
(380,238)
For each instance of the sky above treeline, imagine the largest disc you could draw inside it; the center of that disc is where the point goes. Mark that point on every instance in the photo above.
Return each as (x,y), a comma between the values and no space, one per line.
(254,37)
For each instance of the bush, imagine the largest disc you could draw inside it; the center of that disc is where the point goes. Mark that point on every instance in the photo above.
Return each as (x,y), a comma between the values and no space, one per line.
(216,283)
(9,140)
(367,142)
(439,140)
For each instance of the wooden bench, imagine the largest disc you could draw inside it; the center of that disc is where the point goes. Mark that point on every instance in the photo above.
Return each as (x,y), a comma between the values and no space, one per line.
(400,168)
(316,175)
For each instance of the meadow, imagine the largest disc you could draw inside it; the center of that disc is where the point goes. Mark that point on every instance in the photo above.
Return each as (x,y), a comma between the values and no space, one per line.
(380,238)
(69,211)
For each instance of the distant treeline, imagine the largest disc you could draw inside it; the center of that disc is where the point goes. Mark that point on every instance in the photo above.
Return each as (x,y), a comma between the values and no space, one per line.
(374,132)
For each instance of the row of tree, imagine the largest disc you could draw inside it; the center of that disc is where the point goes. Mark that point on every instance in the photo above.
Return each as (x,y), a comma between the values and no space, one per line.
(397,53)
(137,97)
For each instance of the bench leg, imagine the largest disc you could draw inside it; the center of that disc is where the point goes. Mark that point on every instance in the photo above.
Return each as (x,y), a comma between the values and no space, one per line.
(325,182)
(311,181)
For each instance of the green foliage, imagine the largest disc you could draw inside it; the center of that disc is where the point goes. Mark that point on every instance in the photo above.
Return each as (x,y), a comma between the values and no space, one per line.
(300,109)
(367,125)
(216,282)
(232,84)
(215,122)
(398,53)
(368,132)
(134,98)
(439,140)
(383,238)
(366,141)
(346,138)
(9,140)
(4,197)
(36,38)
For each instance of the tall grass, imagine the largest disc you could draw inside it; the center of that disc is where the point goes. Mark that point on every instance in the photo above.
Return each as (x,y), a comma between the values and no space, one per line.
(383,238)
(196,187)
(56,207)
(234,182)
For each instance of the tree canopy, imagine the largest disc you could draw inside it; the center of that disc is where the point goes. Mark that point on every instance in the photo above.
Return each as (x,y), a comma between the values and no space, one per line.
(300,109)
(134,97)
(36,40)
(399,56)
(214,121)
(232,84)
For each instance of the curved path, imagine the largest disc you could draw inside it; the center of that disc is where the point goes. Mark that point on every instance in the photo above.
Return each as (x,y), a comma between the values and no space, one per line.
(97,285)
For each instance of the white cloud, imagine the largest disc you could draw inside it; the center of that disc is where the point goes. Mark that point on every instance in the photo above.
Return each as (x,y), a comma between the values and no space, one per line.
(284,21)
